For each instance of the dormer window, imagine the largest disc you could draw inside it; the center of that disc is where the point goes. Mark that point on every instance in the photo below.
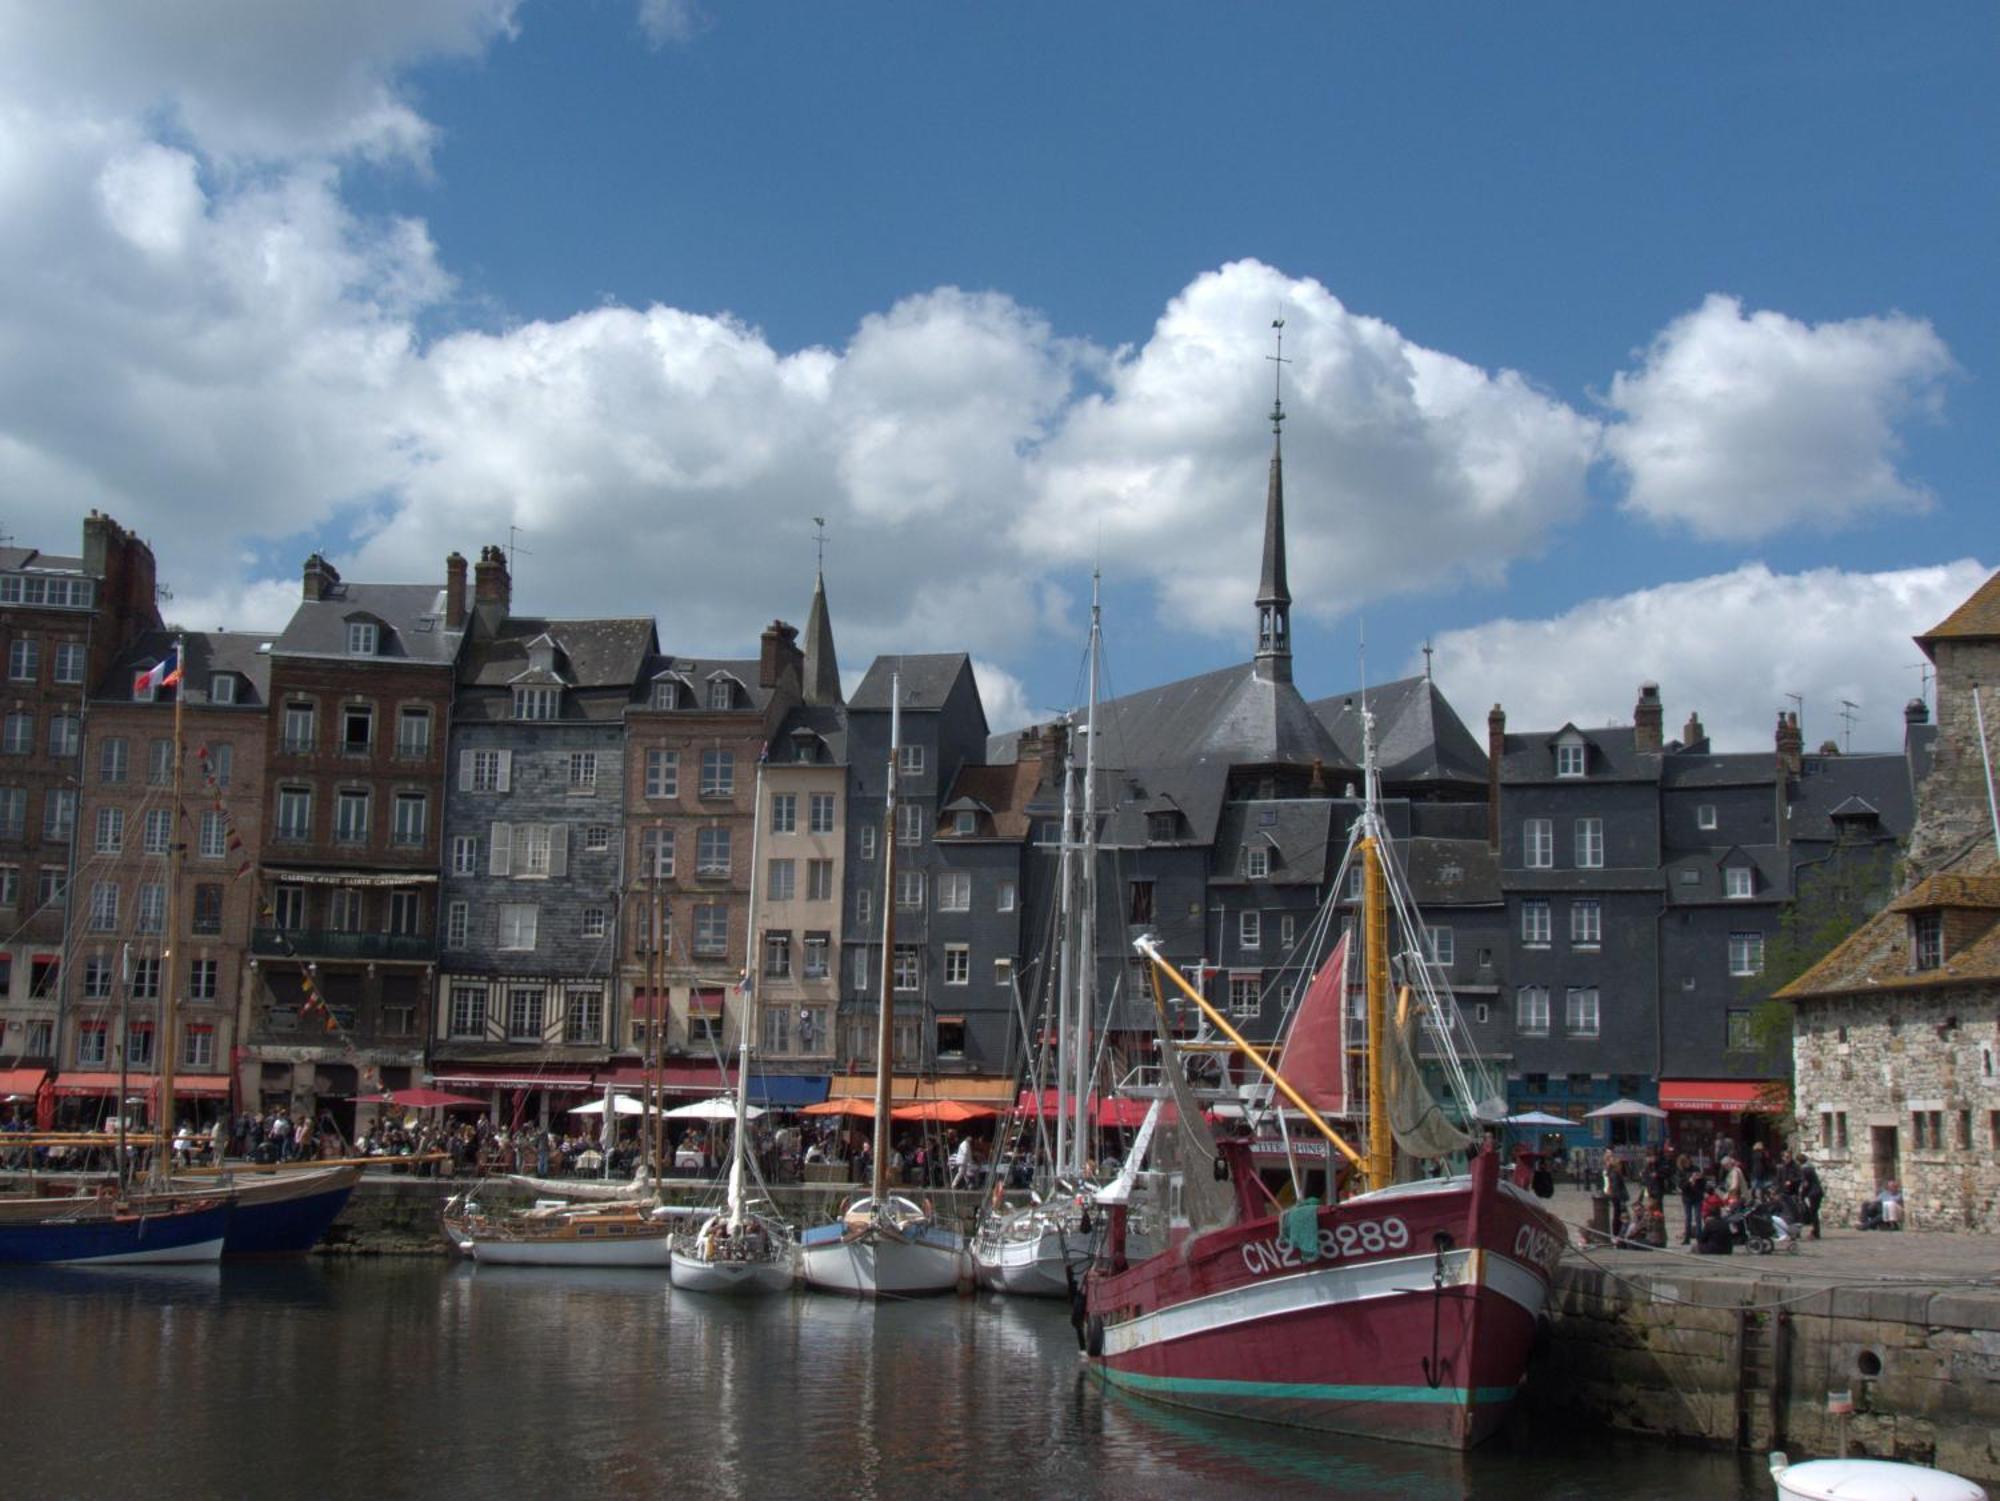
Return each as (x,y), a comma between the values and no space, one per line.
(537,703)
(222,688)
(721,694)
(1162,828)
(1739,881)
(1256,861)
(362,638)
(666,694)
(1927,940)
(1569,760)
(965,821)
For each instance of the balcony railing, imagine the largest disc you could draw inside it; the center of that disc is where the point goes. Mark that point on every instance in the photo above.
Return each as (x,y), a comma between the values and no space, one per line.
(325,943)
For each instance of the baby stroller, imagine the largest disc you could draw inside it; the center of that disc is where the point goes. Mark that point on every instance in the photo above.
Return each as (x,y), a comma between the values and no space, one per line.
(1766,1224)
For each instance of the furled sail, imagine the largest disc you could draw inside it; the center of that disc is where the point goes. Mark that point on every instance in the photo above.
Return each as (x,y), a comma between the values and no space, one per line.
(1416,1118)
(1314,1058)
(1207,1201)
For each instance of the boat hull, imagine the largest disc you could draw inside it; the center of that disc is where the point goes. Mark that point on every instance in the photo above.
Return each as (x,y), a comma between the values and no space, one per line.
(737,1278)
(286,1214)
(635,1251)
(1416,1327)
(148,1237)
(1034,1266)
(882,1262)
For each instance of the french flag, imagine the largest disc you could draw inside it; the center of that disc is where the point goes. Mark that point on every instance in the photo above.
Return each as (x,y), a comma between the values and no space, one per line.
(164,673)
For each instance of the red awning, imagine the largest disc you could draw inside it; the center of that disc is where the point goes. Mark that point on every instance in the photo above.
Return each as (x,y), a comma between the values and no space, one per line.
(208,1086)
(704,1003)
(1723,1096)
(139,1085)
(513,1079)
(21,1080)
(674,1077)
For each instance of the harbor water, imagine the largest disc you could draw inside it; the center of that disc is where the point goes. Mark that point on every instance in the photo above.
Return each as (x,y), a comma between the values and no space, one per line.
(406,1378)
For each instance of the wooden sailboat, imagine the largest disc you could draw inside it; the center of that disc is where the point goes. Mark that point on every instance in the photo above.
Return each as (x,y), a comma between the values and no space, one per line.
(1403,1312)
(884,1245)
(738,1250)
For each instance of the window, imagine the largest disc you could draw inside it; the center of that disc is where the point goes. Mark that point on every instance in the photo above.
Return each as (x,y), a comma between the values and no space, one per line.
(412,814)
(413,734)
(1442,943)
(357,730)
(537,703)
(456,921)
(517,925)
(65,735)
(721,693)
(1737,1036)
(10,896)
(59,813)
(1569,760)
(1538,843)
(468,1011)
(820,813)
(288,907)
(70,661)
(300,730)
(711,856)
(819,880)
(781,885)
(222,763)
(159,830)
(864,905)
(344,910)
(596,838)
(1580,1016)
(1161,828)
(213,842)
(1249,929)
(1256,861)
(908,968)
(110,831)
(868,842)
(1586,924)
(718,773)
(583,1021)
(465,854)
(1004,898)
(909,890)
(208,908)
(784,813)
(1531,1011)
(711,931)
(1926,941)
(113,759)
(909,823)
(1535,923)
(97,978)
(19,736)
(957,964)
(954,891)
(524,1012)
(146,979)
(361,638)
(350,816)
(817,949)
(24,660)
(593,923)
(910,760)
(965,821)
(777,1030)
(202,979)
(104,907)
(485,770)
(1589,843)
(663,773)
(1245,999)
(538,843)
(1003,971)
(91,1039)
(294,813)
(198,1047)
(1746,953)
(656,850)
(778,955)
(861,971)
(1704,816)
(1737,881)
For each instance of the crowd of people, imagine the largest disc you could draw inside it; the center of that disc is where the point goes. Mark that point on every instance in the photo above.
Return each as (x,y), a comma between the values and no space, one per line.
(1718,1195)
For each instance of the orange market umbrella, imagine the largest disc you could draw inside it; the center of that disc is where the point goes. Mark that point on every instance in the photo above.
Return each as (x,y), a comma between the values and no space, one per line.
(951,1111)
(857,1109)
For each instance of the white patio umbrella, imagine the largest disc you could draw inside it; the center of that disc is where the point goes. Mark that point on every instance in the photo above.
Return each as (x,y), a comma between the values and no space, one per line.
(621,1104)
(721,1108)
(1626,1110)
(1537,1118)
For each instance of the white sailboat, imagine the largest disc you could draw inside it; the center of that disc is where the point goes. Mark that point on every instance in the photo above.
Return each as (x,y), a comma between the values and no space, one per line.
(1039,1249)
(737,1250)
(884,1245)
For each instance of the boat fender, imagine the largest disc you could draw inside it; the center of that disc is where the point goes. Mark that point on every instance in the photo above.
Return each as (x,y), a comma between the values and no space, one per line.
(1093,1337)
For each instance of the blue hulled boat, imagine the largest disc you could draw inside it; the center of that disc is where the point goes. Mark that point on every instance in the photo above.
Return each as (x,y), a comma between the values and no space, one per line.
(111,1233)
(285,1213)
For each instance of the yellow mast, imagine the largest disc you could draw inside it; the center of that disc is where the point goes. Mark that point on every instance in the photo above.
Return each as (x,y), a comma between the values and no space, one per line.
(1381,1165)
(170,1008)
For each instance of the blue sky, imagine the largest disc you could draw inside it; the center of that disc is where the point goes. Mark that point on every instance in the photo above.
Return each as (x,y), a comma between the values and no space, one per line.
(1628,344)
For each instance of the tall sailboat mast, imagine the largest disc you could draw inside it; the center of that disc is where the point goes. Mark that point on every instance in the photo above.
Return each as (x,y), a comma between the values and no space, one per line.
(1086,988)
(886,1014)
(1066,920)
(748,1010)
(169,978)
(1375,927)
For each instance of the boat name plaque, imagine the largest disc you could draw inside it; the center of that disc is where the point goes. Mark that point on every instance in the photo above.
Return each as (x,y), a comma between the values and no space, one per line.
(1349,1239)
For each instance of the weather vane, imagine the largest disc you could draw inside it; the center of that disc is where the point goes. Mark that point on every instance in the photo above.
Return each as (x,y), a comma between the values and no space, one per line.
(819,540)
(1278,362)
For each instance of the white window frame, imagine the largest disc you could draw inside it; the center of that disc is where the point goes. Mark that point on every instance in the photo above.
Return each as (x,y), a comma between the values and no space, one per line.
(718,772)
(1536,923)
(1746,954)
(781,880)
(1582,1011)
(957,964)
(784,813)
(1738,882)
(362,638)
(457,925)
(1531,1010)
(1570,760)
(910,760)
(1586,923)
(1705,817)
(1590,844)
(538,702)
(819,881)
(1249,930)
(518,926)
(1256,862)
(408,828)
(821,813)
(1441,946)
(465,854)
(1538,843)
(954,891)
(663,772)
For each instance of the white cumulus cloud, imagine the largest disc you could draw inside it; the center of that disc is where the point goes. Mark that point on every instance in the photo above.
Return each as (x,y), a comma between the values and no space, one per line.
(1738,425)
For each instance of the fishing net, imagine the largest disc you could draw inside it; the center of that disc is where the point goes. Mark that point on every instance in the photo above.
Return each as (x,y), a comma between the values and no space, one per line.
(1416,1119)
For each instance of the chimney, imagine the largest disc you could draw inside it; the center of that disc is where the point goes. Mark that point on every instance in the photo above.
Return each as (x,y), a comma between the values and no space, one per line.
(321,577)
(1791,743)
(454,591)
(1648,719)
(492,589)
(1916,712)
(1695,733)
(778,651)
(1496,748)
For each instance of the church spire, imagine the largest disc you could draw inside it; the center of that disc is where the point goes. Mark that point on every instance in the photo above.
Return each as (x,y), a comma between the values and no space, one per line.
(1274,598)
(822,669)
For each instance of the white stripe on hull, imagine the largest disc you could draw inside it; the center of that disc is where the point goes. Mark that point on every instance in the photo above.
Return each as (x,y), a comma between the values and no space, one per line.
(873,1266)
(650,1251)
(694,1275)
(202,1250)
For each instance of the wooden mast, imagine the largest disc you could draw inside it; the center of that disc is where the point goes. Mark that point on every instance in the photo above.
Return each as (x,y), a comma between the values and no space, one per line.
(1375,925)
(886,1012)
(747,1011)
(170,1007)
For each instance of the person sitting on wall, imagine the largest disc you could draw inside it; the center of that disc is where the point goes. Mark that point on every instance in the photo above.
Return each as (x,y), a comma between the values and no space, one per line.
(1649,1224)
(1715,1238)
(1876,1211)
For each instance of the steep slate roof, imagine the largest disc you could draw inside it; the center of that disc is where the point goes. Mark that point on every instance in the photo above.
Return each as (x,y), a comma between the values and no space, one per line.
(1978,619)
(1772,864)
(821,678)
(1004,791)
(1419,737)
(828,721)
(1530,758)
(412,617)
(1693,769)
(1828,783)
(1296,832)
(1450,872)
(1196,792)
(21,559)
(208,652)
(925,680)
(1876,955)
(697,671)
(599,661)
(1229,717)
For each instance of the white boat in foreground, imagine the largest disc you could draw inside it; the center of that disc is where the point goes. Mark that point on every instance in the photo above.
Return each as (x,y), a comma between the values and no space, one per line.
(1868,1480)
(599,1235)
(886,1248)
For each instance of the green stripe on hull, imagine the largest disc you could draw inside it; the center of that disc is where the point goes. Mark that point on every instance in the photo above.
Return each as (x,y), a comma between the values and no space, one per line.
(1309,1391)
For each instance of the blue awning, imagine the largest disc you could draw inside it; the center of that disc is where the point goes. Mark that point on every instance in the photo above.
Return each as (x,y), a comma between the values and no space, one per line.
(787,1091)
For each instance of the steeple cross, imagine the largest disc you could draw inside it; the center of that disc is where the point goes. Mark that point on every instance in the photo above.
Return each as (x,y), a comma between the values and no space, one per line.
(1279,361)
(819,540)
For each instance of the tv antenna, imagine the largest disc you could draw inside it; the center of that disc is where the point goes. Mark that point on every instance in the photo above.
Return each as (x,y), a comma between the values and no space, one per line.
(514,547)
(1924,676)
(1798,709)
(1849,709)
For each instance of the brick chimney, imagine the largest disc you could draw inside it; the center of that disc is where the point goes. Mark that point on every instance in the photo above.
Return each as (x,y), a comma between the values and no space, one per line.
(492,588)
(1695,732)
(1648,720)
(1791,743)
(778,651)
(1916,712)
(320,578)
(454,591)
(1496,749)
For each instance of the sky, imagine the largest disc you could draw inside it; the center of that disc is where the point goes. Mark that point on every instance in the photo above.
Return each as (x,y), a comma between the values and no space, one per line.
(1621,344)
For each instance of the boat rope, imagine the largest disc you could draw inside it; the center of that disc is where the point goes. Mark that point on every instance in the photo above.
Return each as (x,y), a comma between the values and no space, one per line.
(1434,1363)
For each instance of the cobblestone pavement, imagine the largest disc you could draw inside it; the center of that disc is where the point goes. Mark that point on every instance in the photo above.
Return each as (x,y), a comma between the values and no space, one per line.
(1842,1254)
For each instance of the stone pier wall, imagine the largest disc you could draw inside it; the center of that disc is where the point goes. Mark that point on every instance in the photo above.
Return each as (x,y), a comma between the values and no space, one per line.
(1749,1363)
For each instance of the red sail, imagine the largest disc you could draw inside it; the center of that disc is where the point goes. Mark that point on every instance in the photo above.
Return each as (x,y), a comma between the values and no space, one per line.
(1314,1060)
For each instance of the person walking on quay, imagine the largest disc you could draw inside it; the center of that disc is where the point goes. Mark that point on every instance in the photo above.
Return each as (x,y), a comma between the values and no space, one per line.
(1732,1183)
(1811,1193)
(1760,1167)
(1693,1185)
(1617,1192)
